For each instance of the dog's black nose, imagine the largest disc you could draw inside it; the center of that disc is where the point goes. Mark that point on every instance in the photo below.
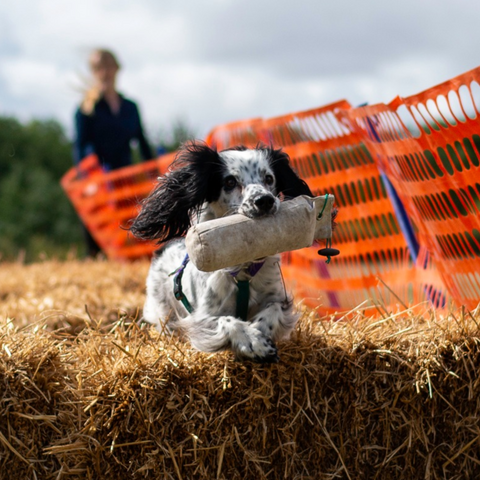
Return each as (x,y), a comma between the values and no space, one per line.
(264,203)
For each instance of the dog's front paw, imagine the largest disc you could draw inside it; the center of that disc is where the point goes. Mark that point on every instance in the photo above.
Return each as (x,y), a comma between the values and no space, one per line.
(271,355)
(258,348)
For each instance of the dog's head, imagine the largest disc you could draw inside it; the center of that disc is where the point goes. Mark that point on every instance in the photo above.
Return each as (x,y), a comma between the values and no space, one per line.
(238,180)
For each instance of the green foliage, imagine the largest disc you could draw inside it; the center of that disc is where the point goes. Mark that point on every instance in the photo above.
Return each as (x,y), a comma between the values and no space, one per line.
(36,217)
(35,214)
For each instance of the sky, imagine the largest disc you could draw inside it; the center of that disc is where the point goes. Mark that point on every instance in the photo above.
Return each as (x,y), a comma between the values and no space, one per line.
(209,62)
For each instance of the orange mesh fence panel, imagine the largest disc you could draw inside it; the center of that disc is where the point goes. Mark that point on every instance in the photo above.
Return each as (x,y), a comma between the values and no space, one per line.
(106,202)
(332,158)
(429,146)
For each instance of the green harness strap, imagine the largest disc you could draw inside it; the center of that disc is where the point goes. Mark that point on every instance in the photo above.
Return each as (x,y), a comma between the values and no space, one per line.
(243,296)
(177,285)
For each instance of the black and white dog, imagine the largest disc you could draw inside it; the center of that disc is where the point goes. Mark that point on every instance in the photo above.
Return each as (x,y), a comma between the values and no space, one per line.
(203,184)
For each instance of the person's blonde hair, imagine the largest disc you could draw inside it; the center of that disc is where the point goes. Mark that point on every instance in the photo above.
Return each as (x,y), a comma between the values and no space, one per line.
(92,94)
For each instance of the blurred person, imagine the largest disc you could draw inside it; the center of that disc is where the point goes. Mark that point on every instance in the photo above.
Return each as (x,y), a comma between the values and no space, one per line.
(106,122)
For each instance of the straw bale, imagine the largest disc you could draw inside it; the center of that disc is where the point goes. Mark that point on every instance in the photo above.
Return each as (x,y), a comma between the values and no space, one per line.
(87,394)
(58,292)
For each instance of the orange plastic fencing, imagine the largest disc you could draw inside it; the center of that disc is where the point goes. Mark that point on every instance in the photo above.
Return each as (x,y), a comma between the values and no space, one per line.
(107,201)
(429,146)
(333,159)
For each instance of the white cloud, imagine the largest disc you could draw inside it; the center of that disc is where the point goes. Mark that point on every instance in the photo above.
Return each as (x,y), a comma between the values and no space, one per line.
(37,88)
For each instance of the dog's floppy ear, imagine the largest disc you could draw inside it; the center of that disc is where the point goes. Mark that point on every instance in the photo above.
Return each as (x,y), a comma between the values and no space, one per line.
(287,181)
(193,178)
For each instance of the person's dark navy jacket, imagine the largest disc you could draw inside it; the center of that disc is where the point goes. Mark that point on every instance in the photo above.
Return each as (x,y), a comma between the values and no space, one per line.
(109,135)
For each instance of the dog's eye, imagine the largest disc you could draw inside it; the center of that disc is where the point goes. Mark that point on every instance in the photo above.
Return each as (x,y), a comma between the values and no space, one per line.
(268,180)
(230,183)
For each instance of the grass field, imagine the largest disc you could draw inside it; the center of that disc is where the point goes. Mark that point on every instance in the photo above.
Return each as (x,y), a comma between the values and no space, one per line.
(87,394)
